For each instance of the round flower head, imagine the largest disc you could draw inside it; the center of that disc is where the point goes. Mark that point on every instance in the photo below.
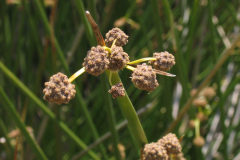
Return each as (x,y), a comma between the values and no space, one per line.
(59,90)
(119,35)
(171,144)
(164,61)
(209,92)
(201,102)
(118,59)
(153,151)
(117,90)
(199,141)
(143,77)
(201,117)
(96,61)
(191,124)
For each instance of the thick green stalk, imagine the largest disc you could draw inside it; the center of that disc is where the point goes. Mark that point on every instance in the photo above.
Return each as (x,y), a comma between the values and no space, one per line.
(130,113)
(218,79)
(17,119)
(44,108)
(110,116)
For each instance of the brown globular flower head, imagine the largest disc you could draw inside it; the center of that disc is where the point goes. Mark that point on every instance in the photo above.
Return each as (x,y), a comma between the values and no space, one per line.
(144,78)
(164,61)
(117,90)
(191,124)
(201,117)
(199,141)
(118,59)
(200,102)
(59,90)
(209,92)
(119,35)
(96,61)
(171,144)
(154,151)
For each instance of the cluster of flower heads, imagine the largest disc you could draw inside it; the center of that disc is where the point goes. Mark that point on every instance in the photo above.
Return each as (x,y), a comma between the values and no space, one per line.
(166,147)
(202,104)
(113,58)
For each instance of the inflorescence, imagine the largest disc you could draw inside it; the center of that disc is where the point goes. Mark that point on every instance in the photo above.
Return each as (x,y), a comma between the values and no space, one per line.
(113,58)
(166,147)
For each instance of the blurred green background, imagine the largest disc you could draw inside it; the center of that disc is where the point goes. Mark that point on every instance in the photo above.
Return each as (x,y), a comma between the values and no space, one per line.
(39,38)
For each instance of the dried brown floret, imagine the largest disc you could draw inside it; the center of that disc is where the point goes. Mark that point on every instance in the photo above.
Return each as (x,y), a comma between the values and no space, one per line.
(191,124)
(154,151)
(209,92)
(118,59)
(119,35)
(164,61)
(59,90)
(199,141)
(96,61)
(117,90)
(201,117)
(171,144)
(201,102)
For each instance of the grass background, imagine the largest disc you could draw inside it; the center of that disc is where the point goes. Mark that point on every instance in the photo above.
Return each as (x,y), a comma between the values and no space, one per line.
(40,38)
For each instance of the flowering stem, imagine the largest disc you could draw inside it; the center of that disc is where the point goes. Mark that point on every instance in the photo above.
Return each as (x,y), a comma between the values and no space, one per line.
(130,113)
(142,60)
(75,75)
(197,127)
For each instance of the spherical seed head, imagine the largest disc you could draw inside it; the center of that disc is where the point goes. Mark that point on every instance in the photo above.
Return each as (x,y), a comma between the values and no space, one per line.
(59,90)
(96,61)
(119,35)
(117,90)
(201,117)
(199,141)
(193,92)
(154,151)
(191,124)
(201,102)
(144,78)
(209,92)
(171,144)
(118,59)
(164,61)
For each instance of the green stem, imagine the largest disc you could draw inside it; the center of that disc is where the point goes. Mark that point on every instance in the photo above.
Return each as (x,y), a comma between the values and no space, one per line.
(218,79)
(44,108)
(130,114)
(17,119)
